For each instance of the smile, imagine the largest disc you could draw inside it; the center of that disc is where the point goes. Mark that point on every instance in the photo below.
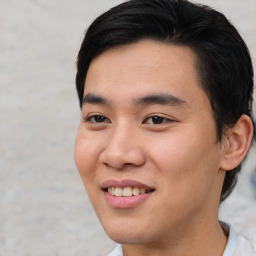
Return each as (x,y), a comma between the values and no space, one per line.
(127,191)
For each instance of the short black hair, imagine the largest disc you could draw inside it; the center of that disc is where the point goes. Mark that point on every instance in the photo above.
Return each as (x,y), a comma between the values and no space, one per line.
(223,60)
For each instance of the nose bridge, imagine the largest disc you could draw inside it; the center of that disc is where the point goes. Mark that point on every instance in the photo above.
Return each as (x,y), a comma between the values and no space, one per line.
(120,137)
(123,147)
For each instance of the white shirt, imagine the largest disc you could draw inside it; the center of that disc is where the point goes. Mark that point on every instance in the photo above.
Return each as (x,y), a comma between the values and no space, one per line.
(237,245)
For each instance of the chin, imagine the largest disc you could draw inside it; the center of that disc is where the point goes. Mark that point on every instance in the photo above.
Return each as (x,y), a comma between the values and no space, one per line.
(127,234)
(127,238)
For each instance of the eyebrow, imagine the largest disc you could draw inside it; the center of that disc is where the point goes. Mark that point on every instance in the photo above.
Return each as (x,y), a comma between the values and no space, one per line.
(162,99)
(91,98)
(152,99)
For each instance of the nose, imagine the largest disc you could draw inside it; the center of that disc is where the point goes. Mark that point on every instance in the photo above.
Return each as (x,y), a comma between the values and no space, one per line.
(122,149)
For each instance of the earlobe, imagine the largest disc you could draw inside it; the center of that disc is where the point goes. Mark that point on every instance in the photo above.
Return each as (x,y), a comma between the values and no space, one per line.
(238,140)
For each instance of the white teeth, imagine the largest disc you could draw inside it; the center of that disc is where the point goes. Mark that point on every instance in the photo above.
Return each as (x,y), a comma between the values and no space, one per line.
(135,191)
(118,192)
(142,191)
(127,191)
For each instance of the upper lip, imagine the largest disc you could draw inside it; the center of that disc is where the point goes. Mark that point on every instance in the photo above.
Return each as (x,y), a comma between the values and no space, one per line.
(125,183)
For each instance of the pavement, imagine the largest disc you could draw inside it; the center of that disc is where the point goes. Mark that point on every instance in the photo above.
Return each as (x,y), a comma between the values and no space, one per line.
(44,209)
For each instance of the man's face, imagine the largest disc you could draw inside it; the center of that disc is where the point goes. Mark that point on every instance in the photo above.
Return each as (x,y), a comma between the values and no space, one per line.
(146,148)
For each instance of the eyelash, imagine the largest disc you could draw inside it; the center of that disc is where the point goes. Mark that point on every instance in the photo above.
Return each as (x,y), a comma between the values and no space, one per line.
(102,119)
(89,118)
(157,119)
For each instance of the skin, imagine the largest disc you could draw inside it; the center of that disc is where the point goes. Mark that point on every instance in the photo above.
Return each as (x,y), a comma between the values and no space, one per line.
(179,156)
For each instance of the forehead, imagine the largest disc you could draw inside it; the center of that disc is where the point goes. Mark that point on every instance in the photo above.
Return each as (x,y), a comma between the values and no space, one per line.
(144,67)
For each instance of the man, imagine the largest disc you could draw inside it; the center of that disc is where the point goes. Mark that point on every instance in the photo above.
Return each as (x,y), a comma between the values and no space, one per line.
(165,88)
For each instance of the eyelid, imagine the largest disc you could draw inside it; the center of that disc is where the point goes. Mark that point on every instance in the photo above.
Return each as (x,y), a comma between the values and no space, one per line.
(167,119)
(88,118)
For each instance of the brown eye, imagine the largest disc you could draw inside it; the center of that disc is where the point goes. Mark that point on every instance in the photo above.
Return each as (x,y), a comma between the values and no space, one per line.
(157,120)
(96,119)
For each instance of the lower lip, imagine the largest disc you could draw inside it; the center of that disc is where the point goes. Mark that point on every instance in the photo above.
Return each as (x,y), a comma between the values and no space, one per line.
(126,202)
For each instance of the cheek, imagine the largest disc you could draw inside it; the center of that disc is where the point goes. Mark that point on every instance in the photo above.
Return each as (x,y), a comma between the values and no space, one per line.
(175,153)
(184,162)
(85,156)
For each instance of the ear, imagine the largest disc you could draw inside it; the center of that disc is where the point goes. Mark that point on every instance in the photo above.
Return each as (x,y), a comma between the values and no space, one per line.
(237,143)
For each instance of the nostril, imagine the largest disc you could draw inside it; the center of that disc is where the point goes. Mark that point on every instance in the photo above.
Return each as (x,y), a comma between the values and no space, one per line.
(121,154)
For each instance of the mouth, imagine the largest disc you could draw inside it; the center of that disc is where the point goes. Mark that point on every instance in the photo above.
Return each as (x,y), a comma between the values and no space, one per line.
(126,193)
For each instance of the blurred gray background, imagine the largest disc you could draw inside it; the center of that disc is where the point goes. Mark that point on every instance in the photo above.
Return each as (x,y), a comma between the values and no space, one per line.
(44,209)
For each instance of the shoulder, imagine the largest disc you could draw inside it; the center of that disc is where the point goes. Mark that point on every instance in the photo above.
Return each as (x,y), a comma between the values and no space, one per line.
(118,251)
(244,247)
(238,244)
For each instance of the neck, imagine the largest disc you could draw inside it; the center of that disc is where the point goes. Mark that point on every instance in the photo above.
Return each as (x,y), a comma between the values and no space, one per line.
(209,241)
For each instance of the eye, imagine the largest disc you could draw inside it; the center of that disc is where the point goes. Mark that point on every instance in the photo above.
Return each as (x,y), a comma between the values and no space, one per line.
(96,119)
(157,120)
